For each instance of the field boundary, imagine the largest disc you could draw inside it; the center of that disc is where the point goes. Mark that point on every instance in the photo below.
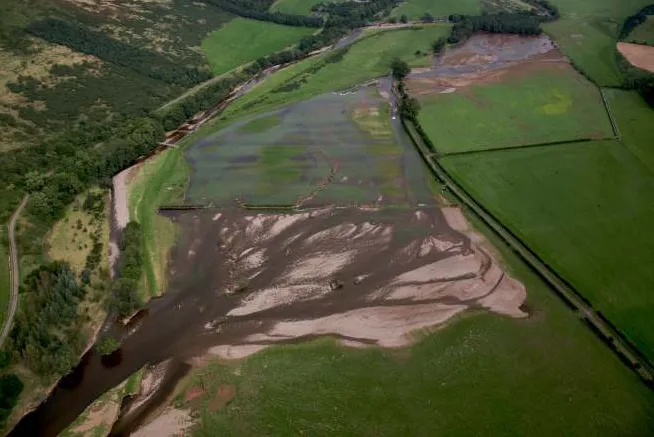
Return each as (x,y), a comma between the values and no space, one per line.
(526,146)
(607,107)
(626,351)
(14,272)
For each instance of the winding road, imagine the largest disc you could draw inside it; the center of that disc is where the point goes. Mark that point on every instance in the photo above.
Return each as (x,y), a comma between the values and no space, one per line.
(13,269)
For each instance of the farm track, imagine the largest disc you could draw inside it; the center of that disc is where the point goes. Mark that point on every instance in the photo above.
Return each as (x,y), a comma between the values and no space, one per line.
(626,351)
(14,272)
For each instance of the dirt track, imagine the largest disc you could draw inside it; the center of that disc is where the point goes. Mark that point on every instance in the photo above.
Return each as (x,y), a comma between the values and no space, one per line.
(15,274)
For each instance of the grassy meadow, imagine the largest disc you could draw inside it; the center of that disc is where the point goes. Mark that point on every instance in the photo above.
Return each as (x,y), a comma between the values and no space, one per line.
(299,7)
(643,34)
(157,181)
(545,375)
(366,59)
(414,9)
(242,40)
(552,104)
(589,42)
(585,210)
(635,123)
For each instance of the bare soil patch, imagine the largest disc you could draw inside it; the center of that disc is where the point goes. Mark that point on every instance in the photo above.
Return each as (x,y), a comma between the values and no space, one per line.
(639,55)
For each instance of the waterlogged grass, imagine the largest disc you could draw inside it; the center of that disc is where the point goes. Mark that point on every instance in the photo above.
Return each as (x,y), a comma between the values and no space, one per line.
(261,124)
(367,59)
(415,9)
(551,104)
(589,42)
(643,34)
(586,210)
(241,41)
(635,123)
(472,377)
(159,181)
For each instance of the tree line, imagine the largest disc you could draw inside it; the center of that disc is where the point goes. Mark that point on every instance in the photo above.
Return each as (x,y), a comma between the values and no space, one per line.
(633,21)
(98,44)
(130,271)
(254,10)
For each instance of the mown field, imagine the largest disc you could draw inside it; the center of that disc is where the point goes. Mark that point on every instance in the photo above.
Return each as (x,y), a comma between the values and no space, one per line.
(585,210)
(242,40)
(546,375)
(551,104)
(300,7)
(366,59)
(643,34)
(414,9)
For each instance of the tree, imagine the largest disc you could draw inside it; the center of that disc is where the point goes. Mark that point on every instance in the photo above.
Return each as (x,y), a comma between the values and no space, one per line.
(404,19)
(108,345)
(439,45)
(399,69)
(409,107)
(427,18)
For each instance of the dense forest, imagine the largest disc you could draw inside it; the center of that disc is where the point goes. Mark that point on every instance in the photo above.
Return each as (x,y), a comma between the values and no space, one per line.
(48,334)
(259,11)
(125,286)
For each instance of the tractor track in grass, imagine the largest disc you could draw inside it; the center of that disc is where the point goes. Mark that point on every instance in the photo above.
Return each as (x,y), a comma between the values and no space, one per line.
(13,271)
(609,334)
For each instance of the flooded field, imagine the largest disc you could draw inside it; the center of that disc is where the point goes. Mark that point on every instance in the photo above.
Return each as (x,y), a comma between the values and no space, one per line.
(338,148)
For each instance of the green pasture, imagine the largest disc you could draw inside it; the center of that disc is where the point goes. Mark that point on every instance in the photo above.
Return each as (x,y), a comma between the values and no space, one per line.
(589,42)
(635,123)
(414,9)
(366,59)
(299,7)
(159,181)
(242,40)
(643,34)
(483,374)
(599,8)
(586,210)
(549,105)
(286,155)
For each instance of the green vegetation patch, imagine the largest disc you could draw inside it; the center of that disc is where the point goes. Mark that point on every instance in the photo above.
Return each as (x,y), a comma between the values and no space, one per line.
(366,59)
(299,7)
(643,34)
(159,181)
(590,45)
(5,279)
(635,122)
(554,103)
(261,124)
(241,41)
(586,210)
(417,8)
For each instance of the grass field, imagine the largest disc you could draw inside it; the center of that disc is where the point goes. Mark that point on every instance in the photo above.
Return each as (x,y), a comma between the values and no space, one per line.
(635,122)
(643,34)
(552,104)
(300,7)
(589,42)
(585,210)
(158,181)
(546,375)
(366,59)
(416,8)
(241,41)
